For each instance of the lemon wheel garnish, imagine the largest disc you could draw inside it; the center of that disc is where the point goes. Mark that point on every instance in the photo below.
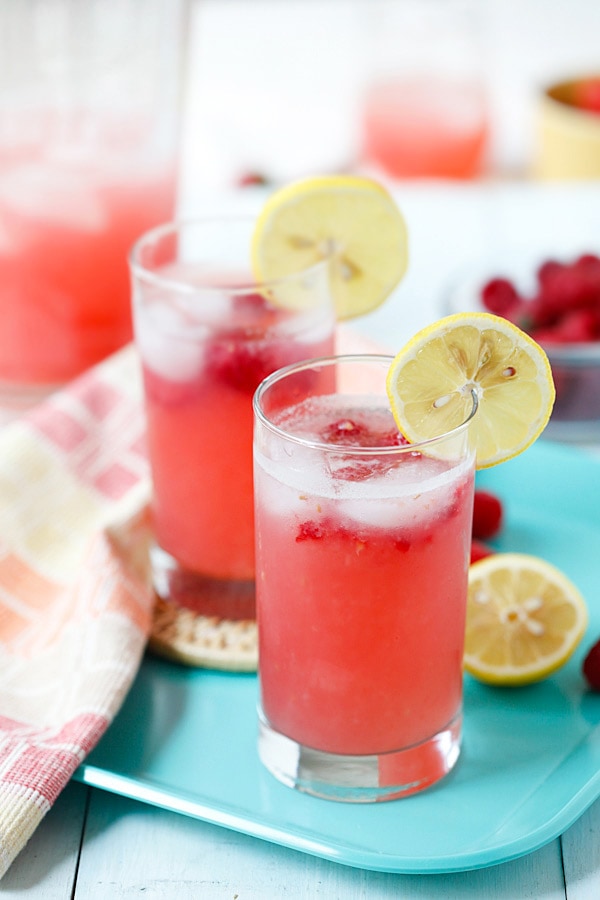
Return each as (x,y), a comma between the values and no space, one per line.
(351,221)
(524,619)
(431,382)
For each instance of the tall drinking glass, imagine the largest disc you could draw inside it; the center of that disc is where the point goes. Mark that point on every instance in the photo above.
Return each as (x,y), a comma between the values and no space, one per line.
(89,143)
(363,547)
(208,333)
(424,109)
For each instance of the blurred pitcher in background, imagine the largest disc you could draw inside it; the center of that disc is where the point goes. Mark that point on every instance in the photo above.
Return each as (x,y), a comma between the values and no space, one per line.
(90,100)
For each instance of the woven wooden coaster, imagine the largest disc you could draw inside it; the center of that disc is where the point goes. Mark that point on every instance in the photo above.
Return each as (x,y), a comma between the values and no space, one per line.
(203,641)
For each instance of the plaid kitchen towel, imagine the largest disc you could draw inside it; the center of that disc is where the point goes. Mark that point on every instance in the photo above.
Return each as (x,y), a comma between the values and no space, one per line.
(75,599)
(75,607)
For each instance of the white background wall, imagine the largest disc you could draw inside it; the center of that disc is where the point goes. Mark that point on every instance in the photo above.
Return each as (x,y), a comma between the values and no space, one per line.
(274,84)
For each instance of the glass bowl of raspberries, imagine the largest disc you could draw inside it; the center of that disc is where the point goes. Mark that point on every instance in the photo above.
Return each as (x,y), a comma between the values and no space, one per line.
(555,299)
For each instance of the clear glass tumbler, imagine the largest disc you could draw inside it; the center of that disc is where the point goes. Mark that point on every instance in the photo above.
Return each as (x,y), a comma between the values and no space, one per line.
(424,108)
(90,103)
(208,333)
(362,554)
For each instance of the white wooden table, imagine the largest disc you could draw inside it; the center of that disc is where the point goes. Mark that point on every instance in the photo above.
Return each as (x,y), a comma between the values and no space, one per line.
(93,844)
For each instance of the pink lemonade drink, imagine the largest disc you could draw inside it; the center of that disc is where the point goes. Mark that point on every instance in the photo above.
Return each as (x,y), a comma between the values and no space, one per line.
(206,341)
(66,233)
(362,557)
(423,127)
(90,103)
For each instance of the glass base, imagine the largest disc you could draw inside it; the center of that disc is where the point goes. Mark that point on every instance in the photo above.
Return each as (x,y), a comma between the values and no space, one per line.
(360,779)
(205,596)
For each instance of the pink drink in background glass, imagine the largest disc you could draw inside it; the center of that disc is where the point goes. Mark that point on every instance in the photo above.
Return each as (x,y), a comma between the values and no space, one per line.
(424,109)
(362,558)
(206,342)
(424,127)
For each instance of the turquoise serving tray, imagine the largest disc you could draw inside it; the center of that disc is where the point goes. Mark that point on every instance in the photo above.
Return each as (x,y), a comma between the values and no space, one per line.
(185,739)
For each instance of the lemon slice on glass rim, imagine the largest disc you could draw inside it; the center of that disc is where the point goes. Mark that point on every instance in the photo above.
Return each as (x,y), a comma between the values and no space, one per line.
(349,220)
(525,619)
(431,383)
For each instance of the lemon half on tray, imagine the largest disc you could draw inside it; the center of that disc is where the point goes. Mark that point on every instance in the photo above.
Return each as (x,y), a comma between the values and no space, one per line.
(525,619)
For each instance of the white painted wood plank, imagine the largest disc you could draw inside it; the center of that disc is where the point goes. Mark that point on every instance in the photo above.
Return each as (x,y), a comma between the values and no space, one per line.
(47,866)
(581,856)
(131,848)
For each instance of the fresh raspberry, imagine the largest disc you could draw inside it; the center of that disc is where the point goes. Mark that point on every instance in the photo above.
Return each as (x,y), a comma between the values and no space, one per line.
(587,268)
(578,326)
(565,308)
(479,550)
(536,313)
(570,289)
(499,296)
(550,334)
(586,95)
(588,259)
(487,515)
(251,179)
(591,667)
(547,271)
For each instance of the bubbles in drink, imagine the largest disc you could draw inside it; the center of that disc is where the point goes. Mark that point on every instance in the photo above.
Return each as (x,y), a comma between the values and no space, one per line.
(362,467)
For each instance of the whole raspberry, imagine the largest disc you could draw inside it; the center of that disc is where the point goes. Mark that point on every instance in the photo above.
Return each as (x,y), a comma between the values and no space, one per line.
(586,94)
(250,179)
(591,667)
(479,550)
(547,271)
(578,326)
(499,296)
(487,515)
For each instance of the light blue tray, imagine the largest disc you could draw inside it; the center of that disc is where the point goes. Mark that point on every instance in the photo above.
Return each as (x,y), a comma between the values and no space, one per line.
(185,739)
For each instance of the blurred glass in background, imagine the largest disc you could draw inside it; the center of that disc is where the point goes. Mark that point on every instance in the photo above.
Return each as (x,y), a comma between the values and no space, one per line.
(424,111)
(278,87)
(90,96)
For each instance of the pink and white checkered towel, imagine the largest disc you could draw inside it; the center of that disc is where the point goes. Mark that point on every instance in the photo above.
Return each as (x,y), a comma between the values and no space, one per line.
(75,599)
(75,606)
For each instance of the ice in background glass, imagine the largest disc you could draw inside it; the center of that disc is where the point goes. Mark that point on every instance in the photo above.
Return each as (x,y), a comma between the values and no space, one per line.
(362,554)
(208,334)
(424,109)
(89,142)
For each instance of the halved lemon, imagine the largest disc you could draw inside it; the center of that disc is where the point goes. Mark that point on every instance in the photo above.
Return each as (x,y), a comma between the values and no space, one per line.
(524,619)
(351,221)
(431,381)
